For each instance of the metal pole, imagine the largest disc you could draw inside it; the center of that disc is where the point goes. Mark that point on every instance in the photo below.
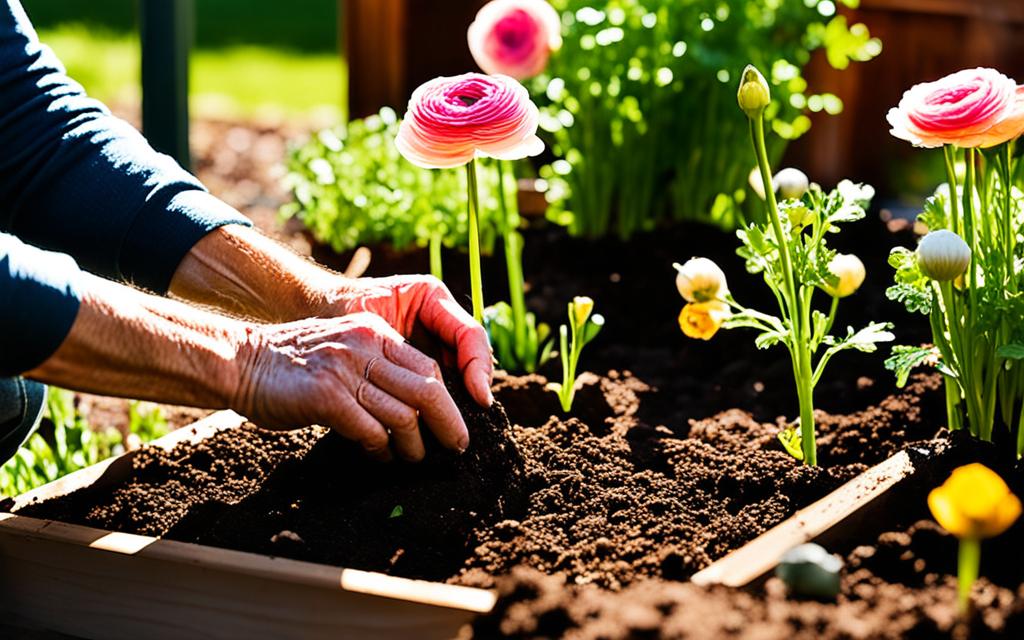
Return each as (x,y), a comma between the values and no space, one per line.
(165,29)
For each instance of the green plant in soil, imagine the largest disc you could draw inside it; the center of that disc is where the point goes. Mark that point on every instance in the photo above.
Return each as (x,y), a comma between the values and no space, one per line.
(584,325)
(73,444)
(351,187)
(637,104)
(791,253)
(966,276)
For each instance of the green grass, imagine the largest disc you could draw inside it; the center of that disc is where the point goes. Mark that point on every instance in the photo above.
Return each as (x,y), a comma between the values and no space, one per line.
(233,81)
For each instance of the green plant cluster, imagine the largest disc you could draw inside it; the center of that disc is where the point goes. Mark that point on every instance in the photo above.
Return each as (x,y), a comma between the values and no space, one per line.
(978,339)
(639,103)
(352,187)
(73,444)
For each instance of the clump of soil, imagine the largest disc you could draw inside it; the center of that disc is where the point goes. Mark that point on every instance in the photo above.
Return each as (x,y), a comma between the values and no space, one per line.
(311,495)
(903,585)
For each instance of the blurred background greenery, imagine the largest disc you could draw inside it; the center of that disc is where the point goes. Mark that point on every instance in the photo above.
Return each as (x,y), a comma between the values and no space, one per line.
(251,57)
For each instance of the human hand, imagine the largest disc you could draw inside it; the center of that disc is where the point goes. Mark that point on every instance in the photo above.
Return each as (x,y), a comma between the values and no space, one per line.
(419,301)
(355,374)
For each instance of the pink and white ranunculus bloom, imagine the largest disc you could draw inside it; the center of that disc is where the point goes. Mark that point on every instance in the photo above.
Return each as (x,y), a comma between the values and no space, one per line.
(452,120)
(976,108)
(515,37)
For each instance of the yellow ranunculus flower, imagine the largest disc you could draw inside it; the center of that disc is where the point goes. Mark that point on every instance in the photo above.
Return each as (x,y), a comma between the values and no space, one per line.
(703,319)
(974,503)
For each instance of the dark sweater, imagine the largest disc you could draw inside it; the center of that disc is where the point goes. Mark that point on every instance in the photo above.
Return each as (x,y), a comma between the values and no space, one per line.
(78,187)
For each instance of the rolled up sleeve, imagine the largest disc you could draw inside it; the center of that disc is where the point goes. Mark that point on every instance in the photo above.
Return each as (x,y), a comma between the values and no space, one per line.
(39,300)
(75,179)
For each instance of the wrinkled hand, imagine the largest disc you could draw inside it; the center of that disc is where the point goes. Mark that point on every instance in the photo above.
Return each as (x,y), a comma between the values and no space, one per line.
(420,301)
(355,374)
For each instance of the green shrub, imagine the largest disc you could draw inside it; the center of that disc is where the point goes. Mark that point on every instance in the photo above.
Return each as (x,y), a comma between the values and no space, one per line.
(640,103)
(352,187)
(74,444)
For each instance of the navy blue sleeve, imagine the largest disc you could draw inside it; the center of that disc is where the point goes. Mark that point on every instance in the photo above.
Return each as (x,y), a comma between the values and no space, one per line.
(75,179)
(39,301)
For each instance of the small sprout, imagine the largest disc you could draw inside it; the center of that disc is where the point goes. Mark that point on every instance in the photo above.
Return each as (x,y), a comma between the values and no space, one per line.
(700,280)
(584,325)
(849,270)
(792,442)
(972,504)
(791,183)
(701,320)
(943,255)
(397,512)
(754,95)
(810,571)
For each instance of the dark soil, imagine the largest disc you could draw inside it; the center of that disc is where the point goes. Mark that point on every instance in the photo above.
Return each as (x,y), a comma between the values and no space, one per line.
(648,480)
(899,581)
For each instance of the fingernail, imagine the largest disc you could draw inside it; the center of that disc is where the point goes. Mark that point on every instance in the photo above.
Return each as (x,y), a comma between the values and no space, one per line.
(463,444)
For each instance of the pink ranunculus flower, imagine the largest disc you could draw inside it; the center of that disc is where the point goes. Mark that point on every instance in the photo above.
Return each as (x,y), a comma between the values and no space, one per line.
(973,108)
(452,120)
(515,37)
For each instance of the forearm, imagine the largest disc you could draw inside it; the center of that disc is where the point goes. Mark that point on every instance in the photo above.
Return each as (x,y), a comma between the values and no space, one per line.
(127,343)
(243,272)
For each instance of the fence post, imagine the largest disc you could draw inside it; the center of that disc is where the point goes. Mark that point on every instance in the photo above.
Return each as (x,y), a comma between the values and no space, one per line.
(165,29)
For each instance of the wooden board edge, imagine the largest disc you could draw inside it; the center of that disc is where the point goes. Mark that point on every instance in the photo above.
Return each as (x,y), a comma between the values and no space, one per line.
(759,556)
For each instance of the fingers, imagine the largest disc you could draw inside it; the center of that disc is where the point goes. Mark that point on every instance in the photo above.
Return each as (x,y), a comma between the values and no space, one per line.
(443,316)
(356,423)
(428,395)
(397,416)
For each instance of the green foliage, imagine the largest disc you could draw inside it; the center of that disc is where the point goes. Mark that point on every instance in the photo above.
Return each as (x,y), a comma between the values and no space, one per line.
(639,104)
(582,329)
(352,187)
(790,251)
(978,344)
(527,356)
(73,444)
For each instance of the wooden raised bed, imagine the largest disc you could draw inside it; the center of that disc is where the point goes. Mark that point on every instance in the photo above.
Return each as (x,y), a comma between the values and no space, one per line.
(96,584)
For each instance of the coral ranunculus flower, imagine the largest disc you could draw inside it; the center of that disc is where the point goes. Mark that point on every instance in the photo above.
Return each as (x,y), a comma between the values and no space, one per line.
(515,37)
(452,120)
(974,503)
(977,108)
(703,319)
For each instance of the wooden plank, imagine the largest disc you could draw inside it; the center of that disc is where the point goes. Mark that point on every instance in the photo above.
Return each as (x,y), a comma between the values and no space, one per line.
(376,55)
(995,10)
(761,555)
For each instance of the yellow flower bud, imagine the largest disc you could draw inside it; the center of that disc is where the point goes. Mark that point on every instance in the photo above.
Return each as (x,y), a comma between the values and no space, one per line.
(703,319)
(753,95)
(700,280)
(850,271)
(943,255)
(974,503)
(582,306)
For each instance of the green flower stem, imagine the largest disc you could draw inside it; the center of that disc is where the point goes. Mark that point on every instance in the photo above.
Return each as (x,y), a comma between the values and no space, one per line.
(954,206)
(436,269)
(797,307)
(514,267)
(475,277)
(832,315)
(757,135)
(968,564)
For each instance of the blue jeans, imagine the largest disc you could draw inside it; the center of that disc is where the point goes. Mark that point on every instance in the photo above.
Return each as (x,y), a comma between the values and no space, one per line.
(21,407)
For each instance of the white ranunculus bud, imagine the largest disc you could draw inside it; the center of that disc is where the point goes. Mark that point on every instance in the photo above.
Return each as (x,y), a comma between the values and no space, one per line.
(943,255)
(850,271)
(791,183)
(700,280)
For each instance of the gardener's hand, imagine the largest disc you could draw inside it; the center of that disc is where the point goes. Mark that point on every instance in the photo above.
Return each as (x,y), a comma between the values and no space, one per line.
(414,302)
(237,269)
(355,374)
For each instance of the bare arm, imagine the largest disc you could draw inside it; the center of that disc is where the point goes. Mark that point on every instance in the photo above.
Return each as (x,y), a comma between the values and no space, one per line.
(241,271)
(354,374)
